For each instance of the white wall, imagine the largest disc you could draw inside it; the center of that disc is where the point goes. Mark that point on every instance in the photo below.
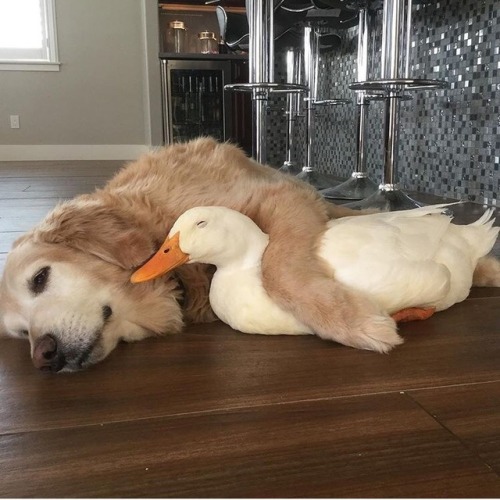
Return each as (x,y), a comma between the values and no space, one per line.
(101,100)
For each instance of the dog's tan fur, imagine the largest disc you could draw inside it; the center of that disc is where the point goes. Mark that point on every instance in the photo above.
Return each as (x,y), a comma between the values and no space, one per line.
(110,232)
(487,272)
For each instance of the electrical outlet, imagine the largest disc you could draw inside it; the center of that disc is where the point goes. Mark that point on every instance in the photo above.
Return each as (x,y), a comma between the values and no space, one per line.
(14,121)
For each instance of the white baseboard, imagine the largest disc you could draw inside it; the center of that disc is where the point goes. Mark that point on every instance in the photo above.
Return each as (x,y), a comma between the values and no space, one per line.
(34,152)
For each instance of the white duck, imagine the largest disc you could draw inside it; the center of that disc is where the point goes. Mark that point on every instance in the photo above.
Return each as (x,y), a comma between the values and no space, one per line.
(404,260)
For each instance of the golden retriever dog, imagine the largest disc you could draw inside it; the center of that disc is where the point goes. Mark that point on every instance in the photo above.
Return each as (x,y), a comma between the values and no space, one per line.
(66,283)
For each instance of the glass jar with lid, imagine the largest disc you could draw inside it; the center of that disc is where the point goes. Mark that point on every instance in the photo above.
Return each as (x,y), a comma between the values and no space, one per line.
(176,37)
(208,43)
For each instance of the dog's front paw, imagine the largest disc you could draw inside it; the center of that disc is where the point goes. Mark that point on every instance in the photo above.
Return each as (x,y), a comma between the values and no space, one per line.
(377,333)
(373,332)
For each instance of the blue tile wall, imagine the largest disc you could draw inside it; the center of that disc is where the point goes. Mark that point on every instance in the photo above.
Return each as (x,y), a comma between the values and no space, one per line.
(449,139)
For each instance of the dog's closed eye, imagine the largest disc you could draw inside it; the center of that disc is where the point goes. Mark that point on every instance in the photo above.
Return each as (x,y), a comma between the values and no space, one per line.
(39,280)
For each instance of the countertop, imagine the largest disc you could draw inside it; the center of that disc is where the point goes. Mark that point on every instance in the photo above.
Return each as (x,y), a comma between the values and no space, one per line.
(202,57)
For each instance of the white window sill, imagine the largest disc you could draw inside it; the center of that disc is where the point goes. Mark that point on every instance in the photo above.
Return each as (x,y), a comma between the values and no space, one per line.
(29,66)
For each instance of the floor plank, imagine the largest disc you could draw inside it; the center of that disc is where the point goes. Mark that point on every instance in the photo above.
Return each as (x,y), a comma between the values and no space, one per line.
(484,292)
(91,168)
(43,183)
(377,446)
(47,202)
(19,224)
(211,367)
(471,412)
(6,240)
(27,191)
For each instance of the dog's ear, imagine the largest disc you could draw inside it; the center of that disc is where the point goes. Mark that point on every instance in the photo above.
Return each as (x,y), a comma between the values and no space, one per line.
(108,231)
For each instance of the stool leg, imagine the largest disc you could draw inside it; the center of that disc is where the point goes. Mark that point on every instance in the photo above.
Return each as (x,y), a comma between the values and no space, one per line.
(311,55)
(395,64)
(261,83)
(359,185)
(261,68)
(293,63)
(259,119)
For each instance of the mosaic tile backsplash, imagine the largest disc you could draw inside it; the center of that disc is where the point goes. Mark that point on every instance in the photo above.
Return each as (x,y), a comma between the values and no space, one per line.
(449,139)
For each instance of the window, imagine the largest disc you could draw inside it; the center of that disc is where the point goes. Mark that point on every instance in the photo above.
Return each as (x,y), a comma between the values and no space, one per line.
(28,35)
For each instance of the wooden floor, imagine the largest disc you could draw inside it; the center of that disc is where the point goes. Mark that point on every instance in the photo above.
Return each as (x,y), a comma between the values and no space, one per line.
(215,413)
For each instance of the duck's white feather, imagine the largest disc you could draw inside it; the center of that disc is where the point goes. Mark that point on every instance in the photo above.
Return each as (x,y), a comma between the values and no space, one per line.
(239,299)
(411,258)
(235,244)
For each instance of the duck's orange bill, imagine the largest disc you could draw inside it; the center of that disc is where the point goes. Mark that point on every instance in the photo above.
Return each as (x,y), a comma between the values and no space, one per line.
(168,257)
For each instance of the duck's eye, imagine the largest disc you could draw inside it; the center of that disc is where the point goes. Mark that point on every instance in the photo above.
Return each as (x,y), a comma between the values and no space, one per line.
(39,281)
(202,223)
(23,333)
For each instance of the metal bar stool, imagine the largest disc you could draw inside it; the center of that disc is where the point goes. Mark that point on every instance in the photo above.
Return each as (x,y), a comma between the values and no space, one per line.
(359,185)
(293,105)
(396,32)
(261,71)
(309,172)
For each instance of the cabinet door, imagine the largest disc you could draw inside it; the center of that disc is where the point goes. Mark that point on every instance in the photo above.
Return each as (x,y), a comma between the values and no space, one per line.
(194,101)
(197,103)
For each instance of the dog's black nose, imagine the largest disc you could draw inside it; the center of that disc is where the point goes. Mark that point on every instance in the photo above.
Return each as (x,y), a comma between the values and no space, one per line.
(46,355)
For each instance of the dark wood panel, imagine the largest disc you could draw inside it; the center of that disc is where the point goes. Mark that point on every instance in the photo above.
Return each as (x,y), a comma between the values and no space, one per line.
(377,446)
(472,413)
(211,367)
(484,292)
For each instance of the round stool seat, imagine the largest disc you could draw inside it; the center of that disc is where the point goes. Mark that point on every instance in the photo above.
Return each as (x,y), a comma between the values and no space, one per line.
(399,84)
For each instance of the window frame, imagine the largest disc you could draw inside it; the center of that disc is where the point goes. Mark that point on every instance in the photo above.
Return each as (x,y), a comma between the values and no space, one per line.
(49,28)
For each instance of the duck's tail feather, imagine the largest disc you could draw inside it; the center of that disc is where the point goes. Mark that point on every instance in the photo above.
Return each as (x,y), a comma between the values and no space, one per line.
(440,208)
(481,234)
(487,219)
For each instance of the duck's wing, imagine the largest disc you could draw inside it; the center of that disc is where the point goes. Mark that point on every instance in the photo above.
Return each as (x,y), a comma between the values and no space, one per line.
(480,236)
(390,255)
